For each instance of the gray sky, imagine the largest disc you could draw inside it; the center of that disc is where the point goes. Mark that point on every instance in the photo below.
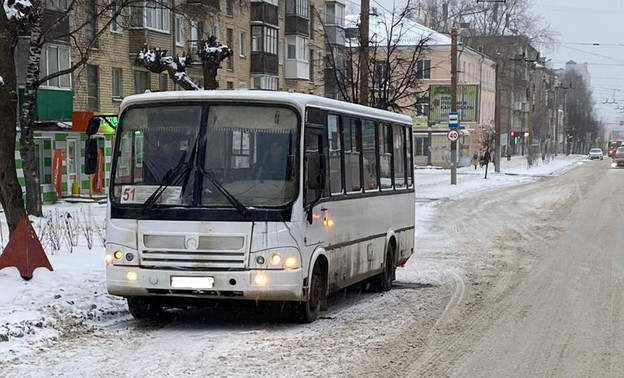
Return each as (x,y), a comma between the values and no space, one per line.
(582,23)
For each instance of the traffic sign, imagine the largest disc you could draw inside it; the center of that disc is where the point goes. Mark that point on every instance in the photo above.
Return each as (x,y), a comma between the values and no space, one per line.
(453,121)
(452,135)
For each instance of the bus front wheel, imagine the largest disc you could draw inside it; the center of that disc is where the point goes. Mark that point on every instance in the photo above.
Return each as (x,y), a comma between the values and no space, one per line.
(383,281)
(307,312)
(144,307)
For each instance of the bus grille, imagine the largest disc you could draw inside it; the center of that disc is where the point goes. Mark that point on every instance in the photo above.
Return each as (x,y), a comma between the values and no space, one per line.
(216,253)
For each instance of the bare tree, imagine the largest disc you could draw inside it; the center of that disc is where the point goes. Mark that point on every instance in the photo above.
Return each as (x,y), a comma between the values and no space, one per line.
(396,46)
(581,125)
(56,28)
(490,18)
(10,190)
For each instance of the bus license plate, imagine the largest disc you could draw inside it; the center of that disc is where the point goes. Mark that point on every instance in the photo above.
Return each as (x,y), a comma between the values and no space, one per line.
(192,282)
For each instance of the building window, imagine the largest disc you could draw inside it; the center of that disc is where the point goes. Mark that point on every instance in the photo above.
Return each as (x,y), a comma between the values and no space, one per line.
(297,47)
(334,14)
(423,69)
(116,84)
(179,30)
(421,144)
(91,25)
(242,44)
(55,59)
(92,87)
(141,81)
(229,85)
(215,31)
(115,25)
(229,7)
(264,39)
(264,82)
(229,36)
(157,15)
(56,4)
(197,32)
(163,79)
(297,7)
(381,82)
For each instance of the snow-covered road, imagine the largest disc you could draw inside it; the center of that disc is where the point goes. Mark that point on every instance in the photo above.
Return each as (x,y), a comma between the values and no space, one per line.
(496,262)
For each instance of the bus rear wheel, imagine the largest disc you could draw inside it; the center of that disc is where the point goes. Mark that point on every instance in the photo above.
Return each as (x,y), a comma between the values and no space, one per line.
(144,307)
(383,281)
(307,312)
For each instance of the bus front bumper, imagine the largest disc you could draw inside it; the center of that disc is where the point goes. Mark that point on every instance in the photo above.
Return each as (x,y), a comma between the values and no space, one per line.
(278,285)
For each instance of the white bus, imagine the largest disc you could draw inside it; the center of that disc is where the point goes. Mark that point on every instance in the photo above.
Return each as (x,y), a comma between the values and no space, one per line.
(255,195)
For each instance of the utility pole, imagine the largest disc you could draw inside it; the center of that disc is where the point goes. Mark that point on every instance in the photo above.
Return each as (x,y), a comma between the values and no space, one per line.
(364,16)
(454,101)
(497,115)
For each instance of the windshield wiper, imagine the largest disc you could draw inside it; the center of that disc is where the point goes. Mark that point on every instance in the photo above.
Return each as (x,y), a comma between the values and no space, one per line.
(242,209)
(173,177)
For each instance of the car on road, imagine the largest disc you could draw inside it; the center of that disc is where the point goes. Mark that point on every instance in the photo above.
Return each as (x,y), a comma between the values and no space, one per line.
(595,153)
(618,158)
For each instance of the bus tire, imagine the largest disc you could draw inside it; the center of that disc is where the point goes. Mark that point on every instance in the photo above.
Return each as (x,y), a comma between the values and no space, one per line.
(383,281)
(308,311)
(144,308)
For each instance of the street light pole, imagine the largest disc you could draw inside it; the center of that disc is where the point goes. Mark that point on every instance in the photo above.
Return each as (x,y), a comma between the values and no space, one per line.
(497,115)
(429,135)
(453,102)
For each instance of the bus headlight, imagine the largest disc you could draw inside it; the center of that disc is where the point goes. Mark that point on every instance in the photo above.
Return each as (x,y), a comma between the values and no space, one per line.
(276,258)
(120,255)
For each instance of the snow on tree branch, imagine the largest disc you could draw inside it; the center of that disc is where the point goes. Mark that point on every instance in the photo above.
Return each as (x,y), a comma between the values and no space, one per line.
(17,9)
(157,61)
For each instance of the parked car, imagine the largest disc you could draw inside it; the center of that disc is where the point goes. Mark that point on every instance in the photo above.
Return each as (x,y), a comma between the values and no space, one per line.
(618,158)
(595,153)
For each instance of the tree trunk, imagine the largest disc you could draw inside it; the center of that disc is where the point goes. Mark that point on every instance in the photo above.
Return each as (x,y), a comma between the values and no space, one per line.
(27,144)
(210,75)
(10,189)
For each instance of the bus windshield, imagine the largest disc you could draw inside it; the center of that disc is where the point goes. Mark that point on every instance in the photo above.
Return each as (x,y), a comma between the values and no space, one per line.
(206,155)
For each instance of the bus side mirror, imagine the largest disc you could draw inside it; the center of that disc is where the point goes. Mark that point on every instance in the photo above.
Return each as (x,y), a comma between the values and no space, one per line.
(91,150)
(93,126)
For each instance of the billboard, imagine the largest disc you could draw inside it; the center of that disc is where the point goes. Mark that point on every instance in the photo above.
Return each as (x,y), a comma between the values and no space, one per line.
(440,103)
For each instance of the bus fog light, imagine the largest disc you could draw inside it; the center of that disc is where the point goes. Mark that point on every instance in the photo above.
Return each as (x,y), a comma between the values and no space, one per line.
(275,259)
(118,255)
(109,259)
(132,276)
(291,262)
(260,260)
(260,279)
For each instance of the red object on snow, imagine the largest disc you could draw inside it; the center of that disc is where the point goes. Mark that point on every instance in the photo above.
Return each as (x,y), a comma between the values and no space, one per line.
(24,251)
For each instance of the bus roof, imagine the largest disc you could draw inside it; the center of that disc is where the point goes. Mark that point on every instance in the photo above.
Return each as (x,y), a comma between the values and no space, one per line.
(298,100)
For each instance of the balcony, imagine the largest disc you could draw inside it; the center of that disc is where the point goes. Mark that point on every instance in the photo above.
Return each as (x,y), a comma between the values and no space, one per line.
(296,24)
(264,13)
(264,63)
